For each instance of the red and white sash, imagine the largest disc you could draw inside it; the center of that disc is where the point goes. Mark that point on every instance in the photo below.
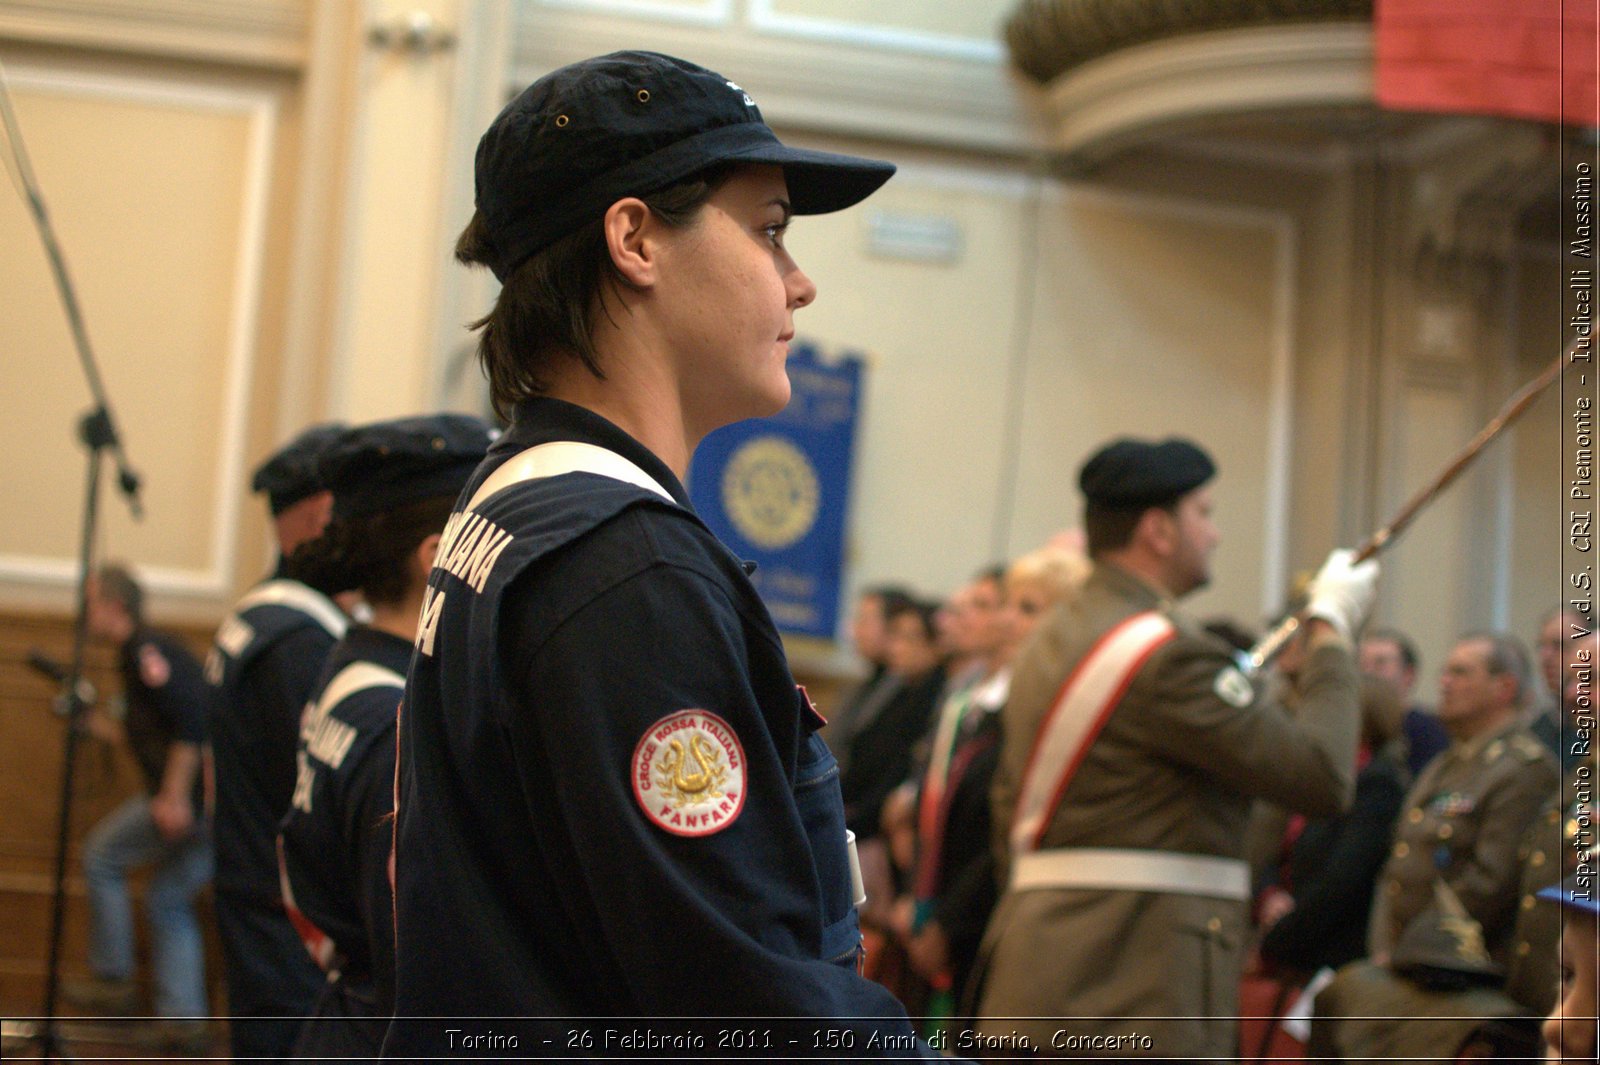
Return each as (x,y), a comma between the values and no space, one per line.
(1082,707)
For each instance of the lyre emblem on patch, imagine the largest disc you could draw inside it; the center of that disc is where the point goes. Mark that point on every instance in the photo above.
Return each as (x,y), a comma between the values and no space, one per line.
(689,773)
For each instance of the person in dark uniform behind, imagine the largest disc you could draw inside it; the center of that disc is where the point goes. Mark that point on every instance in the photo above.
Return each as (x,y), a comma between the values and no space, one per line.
(164,723)
(612,801)
(264,662)
(393,485)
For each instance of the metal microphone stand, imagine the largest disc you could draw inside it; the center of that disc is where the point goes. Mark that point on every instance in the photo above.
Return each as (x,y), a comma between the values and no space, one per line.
(98,431)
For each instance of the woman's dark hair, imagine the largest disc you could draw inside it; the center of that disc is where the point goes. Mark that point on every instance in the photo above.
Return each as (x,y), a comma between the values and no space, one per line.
(369,553)
(544,310)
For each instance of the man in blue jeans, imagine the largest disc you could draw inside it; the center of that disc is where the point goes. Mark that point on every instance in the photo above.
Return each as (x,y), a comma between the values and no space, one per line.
(165,829)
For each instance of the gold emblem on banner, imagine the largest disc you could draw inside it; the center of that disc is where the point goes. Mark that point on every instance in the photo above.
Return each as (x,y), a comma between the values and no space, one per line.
(771,492)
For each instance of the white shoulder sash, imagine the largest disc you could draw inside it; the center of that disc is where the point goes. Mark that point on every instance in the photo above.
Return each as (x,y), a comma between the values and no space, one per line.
(1080,711)
(308,601)
(565,456)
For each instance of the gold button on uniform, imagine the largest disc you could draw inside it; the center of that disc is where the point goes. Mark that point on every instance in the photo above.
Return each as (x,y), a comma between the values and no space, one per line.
(1401,849)
(1415,815)
(1536,859)
(1524,948)
(1214,925)
(1528,902)
(1446,831)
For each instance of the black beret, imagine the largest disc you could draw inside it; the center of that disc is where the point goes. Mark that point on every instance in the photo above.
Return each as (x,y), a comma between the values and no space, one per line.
(385,465)
(290,475)
(1128,474)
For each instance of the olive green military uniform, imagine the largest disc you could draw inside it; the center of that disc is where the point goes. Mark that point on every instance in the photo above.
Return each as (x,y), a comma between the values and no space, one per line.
(1174,769)
(1473,817)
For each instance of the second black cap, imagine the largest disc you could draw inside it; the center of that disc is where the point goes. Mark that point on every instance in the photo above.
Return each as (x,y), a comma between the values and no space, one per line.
(290,474)
(384,465)
(1129,473)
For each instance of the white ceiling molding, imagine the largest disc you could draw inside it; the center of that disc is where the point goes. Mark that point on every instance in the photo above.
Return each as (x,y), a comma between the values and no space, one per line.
(1150,91)
(270,33)
(861,88)
(764,18)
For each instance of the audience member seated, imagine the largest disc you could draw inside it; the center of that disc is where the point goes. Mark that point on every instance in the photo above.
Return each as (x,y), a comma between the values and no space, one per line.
(1444,921)
(882,752)
(1313,913)
(946,809)
(869,635)
(1554,718)
(1389,655)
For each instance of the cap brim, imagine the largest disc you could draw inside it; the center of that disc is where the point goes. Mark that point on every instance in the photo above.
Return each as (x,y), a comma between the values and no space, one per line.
(820,182)
(1568,893)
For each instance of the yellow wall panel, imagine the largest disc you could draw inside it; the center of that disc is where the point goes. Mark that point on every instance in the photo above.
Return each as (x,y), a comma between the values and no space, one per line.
(155,191)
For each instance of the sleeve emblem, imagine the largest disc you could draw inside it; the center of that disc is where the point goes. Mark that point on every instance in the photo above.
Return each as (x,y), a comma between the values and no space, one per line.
(689,774)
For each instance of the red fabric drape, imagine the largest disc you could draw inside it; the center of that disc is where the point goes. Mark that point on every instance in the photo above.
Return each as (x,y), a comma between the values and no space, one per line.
(1518,58)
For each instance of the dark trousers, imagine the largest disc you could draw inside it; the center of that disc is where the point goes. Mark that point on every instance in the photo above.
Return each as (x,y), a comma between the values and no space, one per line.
(346,1024)
(272,981)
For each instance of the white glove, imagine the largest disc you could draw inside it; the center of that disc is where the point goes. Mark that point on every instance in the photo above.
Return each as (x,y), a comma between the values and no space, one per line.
(1341,594)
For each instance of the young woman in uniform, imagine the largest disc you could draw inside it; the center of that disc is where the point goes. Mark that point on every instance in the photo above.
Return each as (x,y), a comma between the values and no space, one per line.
(393,483)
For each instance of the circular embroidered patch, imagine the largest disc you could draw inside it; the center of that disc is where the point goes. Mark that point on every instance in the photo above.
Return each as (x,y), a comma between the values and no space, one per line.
(688,773)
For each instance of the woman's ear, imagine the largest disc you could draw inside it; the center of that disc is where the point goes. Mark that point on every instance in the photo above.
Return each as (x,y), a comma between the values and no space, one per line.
(426,550)
(628,227)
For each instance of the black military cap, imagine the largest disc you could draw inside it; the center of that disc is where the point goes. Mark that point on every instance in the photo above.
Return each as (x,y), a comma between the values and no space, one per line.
(378,467)
(1128,473)
(625,124)
(290,474)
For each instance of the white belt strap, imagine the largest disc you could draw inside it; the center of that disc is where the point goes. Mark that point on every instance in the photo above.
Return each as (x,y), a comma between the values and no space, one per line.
(1164,872)
(565,456)
(1080,711)
(308,601)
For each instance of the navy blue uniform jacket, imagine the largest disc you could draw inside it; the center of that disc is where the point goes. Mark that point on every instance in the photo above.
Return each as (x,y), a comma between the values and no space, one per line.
(337,834)
(164,687)
(263,668)
(531,881)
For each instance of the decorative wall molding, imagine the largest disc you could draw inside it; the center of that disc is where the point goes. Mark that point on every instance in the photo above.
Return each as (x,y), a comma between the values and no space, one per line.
(213,578)
(1152,90)
(807,79)
(270,33)
(766,19)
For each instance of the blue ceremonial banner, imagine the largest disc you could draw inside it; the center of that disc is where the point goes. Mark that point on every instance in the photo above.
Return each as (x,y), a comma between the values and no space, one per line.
(775,490)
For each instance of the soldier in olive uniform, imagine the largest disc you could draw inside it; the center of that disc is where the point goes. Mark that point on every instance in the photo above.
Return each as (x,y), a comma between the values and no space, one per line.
(1466,824)
(1133,747)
